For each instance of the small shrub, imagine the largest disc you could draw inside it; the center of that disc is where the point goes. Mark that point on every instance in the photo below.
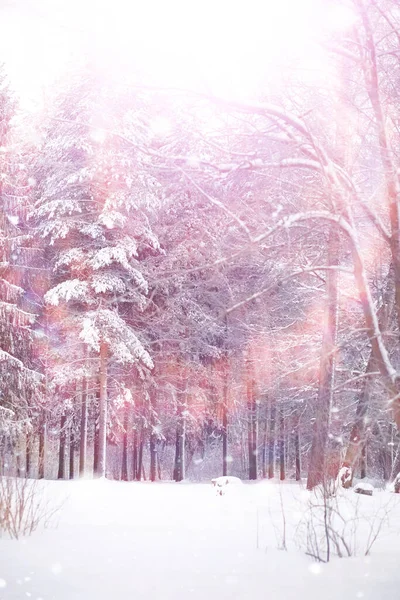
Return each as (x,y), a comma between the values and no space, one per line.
(23,506)
(335,523)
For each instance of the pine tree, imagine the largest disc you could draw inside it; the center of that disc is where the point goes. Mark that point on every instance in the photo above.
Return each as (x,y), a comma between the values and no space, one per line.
(88,211)
(19,382)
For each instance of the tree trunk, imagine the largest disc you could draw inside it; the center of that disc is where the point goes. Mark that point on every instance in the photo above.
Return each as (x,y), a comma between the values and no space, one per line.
(282,470)
(317,464)
(363,461)
(96,438)
(179,466)
(369,64)
(96,449)
(252,420)
(84,428)
(28,453)
(357,434)
(153,457)
(19,468)
(396,464)
(271,439)
(62,448)
(264,448)
(225,416)
(72,451)
(140,468)
(124,466)
(176,474)
(103,408)
(153,435)
(225,409)
(159,466)
(297,449)
(384,459)
(243,451)
(135,455)
(42,447)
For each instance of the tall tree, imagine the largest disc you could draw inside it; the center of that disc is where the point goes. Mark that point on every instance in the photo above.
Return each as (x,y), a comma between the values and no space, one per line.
(19,381)
(87,209)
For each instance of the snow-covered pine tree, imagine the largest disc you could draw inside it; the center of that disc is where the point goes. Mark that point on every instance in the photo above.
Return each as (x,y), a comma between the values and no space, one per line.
(88,212)
(19,383)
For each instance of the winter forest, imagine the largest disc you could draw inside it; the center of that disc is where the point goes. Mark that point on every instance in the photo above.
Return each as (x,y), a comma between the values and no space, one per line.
(200,246)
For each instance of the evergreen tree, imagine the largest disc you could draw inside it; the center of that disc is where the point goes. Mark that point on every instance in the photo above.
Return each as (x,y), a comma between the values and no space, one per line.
(19,382)
(88,211)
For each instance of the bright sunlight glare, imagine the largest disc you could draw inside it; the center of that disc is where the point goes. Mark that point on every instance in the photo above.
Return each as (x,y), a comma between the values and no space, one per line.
(228,48)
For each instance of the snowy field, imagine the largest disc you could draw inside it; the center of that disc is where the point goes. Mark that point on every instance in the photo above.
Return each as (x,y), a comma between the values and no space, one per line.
(117,541)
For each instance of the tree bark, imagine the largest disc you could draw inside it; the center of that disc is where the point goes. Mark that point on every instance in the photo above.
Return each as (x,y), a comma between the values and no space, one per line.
(72,451)
(179,465)
(252,420)
(282,470)
(140,468)
(297,449)
(96,439)
(103,411)
(177,462)
(135,455)
(84,428)
(265,448)
(225,409)
(396,463)
(225,416)
(19,468)
(317,464)
(271,439)
(62,448)
(363,461)
(42,447)
(28,452)
(153,435)
(124,466)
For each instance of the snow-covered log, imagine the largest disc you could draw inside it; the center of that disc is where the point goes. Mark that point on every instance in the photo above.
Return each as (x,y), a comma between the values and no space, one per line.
(364,488)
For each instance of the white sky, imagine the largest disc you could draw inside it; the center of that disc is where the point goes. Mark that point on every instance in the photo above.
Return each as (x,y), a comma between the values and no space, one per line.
(223,44)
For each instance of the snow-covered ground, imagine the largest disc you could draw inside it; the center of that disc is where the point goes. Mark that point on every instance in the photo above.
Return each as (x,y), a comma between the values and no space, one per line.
(122,541)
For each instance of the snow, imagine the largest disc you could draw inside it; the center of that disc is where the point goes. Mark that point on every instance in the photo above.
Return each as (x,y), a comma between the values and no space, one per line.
(221,483)
(224,480)
(344,476)
(364,487)
(73,289)
(171,541)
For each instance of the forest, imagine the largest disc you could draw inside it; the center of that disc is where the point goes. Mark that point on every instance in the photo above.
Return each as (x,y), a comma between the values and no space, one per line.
(196,283)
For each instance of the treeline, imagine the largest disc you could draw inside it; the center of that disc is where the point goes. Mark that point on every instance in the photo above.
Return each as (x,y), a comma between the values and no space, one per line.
(193,286)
